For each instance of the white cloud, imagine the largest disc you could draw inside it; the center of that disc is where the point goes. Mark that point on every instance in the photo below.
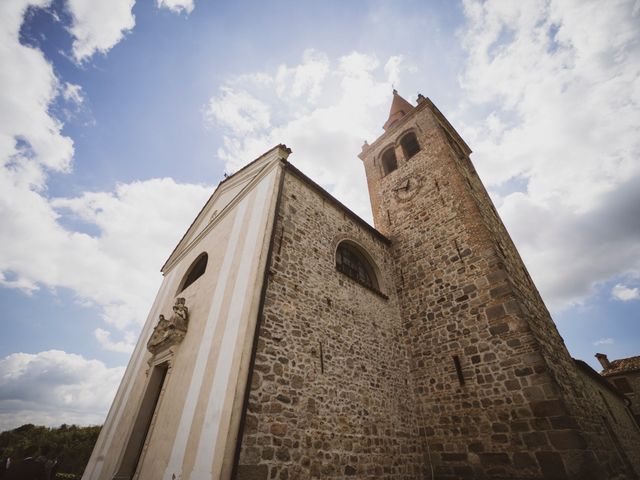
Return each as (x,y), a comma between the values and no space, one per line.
(305,79)
(333,114)
(604,341)
(177,6)
(557,84)
(30,138)
(55,387)
(624,293)
(139,224)
(392,68)
(115,269)
(569,254)
(238,111)
(123,346)
(73,93)
(99,25)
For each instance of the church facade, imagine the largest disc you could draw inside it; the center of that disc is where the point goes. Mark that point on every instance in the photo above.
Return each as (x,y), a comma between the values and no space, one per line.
(292,340)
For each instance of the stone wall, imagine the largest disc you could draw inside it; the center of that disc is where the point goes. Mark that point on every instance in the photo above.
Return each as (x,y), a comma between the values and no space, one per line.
(621,431)
(516,409)
(573,394)
(456,371)
(330,396)
(633,377)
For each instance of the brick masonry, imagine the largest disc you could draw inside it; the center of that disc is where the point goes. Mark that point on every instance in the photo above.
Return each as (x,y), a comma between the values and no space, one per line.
(456,371)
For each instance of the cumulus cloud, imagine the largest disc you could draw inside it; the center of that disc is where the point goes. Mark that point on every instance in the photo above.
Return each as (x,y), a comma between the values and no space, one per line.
(238,111)
(55,387)
(99,26)
(392,68)
(30,138)
(73,93)
(31,141)
(122,250)
(322,109)
(115,269)
(123,346)
(557,86)
(177,6)
(570,253)
(624,293)
(306,79)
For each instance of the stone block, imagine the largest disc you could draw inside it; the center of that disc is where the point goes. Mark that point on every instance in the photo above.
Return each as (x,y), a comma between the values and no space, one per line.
(534,439)
(512,385)
(547,408)
(252,472)
(551,465)
(522,460)
(495,312)
(567,440)
(454,457)
(349,470)
(494,458)
(563,422)
(278,429)
(499,329)
(283,454)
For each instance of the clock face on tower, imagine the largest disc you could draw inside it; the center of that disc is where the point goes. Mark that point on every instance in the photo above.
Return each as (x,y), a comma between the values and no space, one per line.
(406,189)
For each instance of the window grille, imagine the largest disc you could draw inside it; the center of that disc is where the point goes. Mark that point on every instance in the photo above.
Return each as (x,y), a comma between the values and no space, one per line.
(353,263)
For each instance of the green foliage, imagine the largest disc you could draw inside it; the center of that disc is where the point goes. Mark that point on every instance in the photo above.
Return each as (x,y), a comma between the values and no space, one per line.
(70,444)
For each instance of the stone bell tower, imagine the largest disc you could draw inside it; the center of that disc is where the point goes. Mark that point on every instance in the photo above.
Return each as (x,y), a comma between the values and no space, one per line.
(498,393)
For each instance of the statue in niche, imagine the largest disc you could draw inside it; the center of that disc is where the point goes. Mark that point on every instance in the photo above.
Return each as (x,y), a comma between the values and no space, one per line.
(180,316)
(170,332)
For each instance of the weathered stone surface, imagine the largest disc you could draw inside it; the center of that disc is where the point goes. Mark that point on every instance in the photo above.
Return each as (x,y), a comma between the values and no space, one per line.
(567,440)
(552,465)
(453,357)
(524,460)
(349,470)
(494,459)
(252,472)
(547,408)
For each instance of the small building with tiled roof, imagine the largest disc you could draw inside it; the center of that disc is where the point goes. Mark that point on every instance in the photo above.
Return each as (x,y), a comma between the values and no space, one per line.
(624,373)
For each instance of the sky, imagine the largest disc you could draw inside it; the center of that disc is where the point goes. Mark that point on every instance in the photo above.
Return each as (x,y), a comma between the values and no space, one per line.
(119,117)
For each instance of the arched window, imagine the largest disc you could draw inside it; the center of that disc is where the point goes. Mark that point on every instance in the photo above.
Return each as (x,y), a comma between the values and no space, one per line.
(410,145)
(353,263)
(196,270)
(389,163)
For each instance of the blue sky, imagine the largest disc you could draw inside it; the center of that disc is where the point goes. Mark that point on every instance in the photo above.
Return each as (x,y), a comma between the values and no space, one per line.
(117,120)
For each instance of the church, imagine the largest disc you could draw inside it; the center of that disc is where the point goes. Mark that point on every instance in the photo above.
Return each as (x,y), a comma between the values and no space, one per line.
(292,340)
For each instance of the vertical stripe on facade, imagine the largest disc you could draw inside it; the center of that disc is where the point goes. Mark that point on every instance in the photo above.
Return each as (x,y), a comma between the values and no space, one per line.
(174,467)
(207,445)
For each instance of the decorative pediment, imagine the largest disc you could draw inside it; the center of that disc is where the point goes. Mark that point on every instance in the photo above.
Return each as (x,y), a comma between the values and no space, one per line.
(170,332)
(226,196)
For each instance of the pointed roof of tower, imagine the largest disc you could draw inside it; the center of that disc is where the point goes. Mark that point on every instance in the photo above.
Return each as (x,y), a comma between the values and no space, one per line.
(399,108)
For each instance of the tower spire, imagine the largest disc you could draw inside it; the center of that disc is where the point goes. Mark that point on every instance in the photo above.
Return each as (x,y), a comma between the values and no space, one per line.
(399,108)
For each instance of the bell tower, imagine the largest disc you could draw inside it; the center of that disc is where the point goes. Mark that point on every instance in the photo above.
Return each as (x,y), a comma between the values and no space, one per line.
(395,162)
(496,389)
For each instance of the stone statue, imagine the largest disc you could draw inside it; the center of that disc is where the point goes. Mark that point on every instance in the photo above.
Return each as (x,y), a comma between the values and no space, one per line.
(170,332)
(179,319)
